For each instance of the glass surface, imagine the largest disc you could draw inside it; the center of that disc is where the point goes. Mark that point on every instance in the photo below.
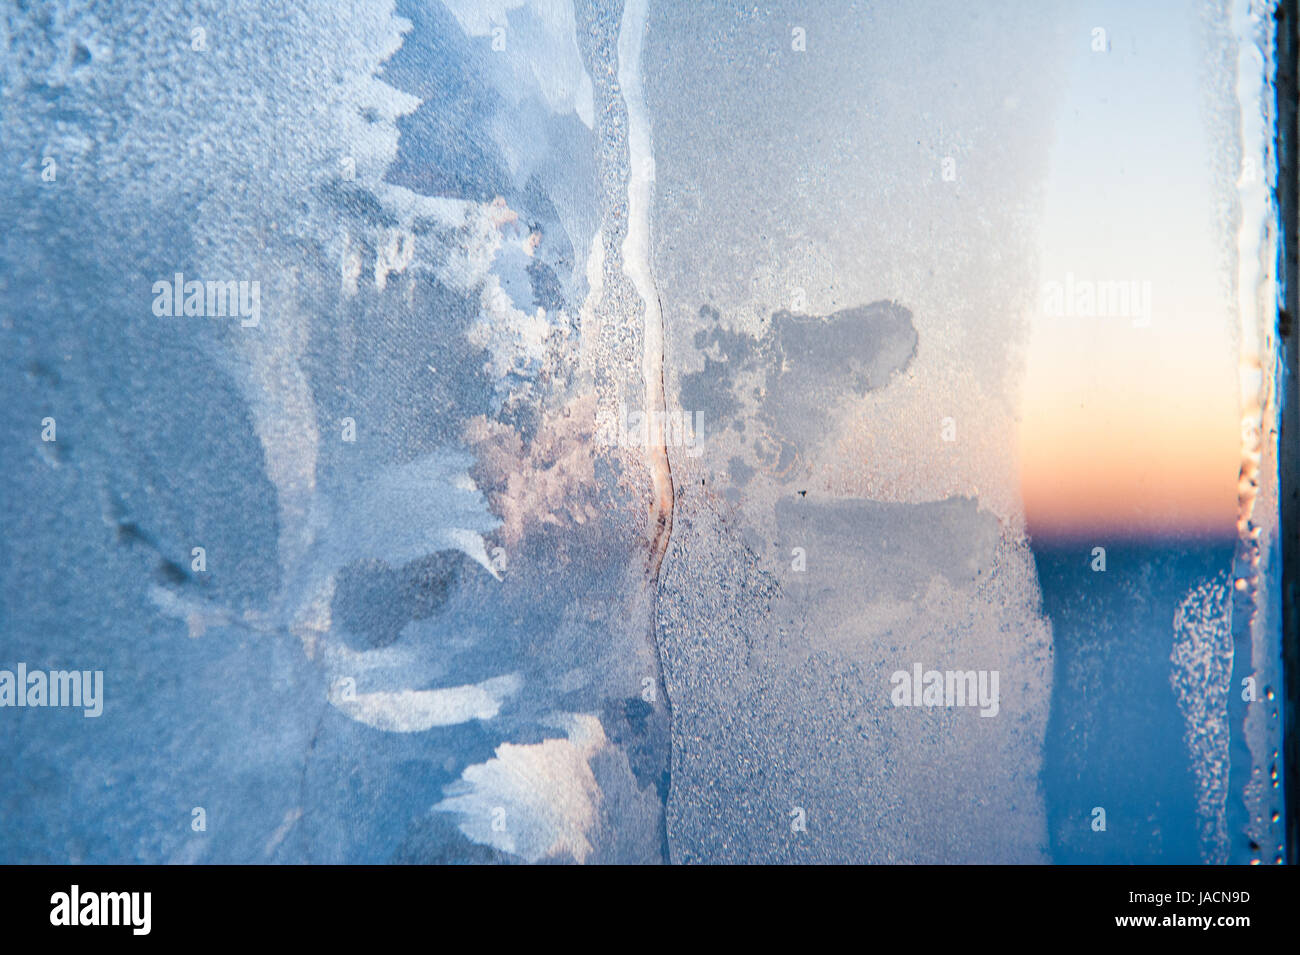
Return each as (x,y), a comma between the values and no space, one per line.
(530,431)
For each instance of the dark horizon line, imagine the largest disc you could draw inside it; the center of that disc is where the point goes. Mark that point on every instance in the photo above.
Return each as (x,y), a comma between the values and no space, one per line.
(1062,540)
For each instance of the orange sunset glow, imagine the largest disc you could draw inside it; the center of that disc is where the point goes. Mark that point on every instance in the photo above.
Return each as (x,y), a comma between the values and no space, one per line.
(1130,414)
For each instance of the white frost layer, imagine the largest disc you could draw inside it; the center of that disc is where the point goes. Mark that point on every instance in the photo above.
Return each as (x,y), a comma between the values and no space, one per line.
(1201,678)
(412,711)
(539,800)
(411,510)
(640,193)
(545,56)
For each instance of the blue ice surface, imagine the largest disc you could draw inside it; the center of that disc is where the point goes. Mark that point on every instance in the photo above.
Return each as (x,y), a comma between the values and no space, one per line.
(157,451)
